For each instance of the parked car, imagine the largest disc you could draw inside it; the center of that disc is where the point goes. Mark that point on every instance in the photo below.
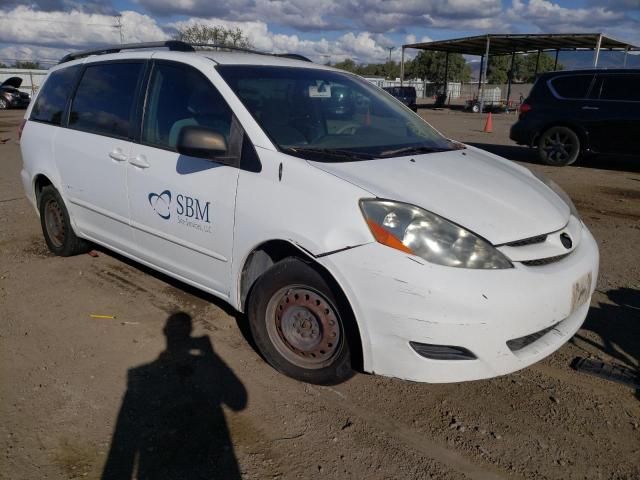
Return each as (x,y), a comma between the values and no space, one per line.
(369,240)
(572,112)
(10,96)
(406,95)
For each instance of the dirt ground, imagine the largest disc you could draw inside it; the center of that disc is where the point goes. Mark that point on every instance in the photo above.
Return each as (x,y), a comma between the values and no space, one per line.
(76,390)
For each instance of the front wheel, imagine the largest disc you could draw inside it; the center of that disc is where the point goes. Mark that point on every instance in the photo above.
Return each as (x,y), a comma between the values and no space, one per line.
(559,146)
(297,324)
(3,104)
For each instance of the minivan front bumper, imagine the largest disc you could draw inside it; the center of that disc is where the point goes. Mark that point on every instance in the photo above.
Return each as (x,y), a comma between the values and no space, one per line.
(508,319)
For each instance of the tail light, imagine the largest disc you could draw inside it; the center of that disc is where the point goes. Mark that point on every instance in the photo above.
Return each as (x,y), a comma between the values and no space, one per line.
(525,107)
(21,127)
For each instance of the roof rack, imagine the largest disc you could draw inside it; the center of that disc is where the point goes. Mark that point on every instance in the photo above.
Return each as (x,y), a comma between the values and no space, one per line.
(176,46)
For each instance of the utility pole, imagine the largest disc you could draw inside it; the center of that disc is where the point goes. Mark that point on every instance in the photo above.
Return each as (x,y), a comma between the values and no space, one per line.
(390,49)
(119,27)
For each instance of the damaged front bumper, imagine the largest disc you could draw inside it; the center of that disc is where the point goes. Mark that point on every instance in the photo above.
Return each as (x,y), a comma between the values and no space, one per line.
(507,319)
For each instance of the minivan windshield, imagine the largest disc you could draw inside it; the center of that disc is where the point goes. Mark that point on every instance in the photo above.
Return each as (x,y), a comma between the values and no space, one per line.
(330,116)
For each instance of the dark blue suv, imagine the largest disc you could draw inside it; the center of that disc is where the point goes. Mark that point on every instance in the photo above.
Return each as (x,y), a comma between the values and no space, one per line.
(572,112)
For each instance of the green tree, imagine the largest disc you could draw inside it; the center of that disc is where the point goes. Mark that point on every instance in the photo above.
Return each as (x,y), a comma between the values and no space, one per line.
(347,64)
(27,64)
(526,68)
(498,69)
(430,66)
(218,35)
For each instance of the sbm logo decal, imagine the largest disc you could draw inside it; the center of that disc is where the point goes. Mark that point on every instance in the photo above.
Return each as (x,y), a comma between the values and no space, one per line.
(190,211)
(161,204)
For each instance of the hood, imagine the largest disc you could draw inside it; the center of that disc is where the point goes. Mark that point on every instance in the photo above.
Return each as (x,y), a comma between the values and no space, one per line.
(14,82)
(493,197)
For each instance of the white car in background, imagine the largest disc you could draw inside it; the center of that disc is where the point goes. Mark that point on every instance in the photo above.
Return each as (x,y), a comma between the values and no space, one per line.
(348,230)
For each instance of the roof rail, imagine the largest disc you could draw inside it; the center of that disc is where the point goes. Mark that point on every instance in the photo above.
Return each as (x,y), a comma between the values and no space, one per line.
(175,45)
(293,56)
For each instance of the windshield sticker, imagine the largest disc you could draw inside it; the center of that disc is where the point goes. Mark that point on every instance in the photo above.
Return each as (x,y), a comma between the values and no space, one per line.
(188,211)
(322,90)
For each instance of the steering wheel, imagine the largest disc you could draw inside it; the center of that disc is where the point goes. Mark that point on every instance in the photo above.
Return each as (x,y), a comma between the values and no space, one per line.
(348,129)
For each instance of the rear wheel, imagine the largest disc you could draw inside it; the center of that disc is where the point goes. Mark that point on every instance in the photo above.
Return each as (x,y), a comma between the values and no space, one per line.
(297,324)
(559,146)
(56,225)
(3,104)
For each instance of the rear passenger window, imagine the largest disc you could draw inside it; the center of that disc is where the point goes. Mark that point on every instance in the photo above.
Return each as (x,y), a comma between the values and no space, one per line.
(52,100)
(104,100)
(180,96)
(625,87)
(572,86)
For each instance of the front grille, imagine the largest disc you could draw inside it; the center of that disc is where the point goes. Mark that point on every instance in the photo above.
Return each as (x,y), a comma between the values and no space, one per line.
(521,342)
(527,241)
(544,261)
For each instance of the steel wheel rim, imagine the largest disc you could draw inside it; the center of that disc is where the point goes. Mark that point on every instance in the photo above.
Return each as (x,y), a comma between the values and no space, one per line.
(3,103)
(558,146)
(304,327)
(54,223)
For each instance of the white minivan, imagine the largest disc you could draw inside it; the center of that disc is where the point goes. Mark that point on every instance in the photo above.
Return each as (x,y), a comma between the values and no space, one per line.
(350,232)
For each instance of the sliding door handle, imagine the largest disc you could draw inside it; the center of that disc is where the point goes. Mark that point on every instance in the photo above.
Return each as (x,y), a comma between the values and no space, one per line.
(117,155)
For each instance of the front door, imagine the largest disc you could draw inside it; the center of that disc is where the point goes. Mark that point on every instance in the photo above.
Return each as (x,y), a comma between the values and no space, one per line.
(91,155)
(182,208)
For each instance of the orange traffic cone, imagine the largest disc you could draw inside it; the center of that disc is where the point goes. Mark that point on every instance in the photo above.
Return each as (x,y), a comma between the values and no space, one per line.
(488,127)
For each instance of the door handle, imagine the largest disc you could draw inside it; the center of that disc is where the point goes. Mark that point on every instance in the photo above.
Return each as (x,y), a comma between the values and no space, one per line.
(139,161)
(590,108)
(117,155)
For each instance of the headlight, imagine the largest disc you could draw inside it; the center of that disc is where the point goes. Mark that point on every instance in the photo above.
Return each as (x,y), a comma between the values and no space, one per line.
(558,191)
(416,231)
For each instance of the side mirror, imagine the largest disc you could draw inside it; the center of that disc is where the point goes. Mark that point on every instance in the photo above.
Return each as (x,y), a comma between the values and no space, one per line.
(204,143)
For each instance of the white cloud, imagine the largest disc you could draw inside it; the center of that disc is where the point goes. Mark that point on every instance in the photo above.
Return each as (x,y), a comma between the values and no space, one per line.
(74,29)
(364,47)
(548,16)
(49,35)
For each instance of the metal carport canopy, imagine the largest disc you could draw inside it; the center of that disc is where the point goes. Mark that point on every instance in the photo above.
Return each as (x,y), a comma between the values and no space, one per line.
(512,44)
(506,44)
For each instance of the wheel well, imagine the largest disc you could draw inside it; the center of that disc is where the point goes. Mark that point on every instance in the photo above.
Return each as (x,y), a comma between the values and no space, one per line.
(581,132)
(41,182)
(268,254)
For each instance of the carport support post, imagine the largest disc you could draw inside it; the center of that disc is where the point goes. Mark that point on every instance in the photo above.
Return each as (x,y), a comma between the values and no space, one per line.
(480,74)
(510,77)
(446,75)
(483,77)
(596,54)
(402,67)
(626,51)
(537,63)
(555,65)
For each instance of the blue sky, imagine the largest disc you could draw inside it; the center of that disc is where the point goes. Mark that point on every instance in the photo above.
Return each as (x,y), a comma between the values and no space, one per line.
(324,30)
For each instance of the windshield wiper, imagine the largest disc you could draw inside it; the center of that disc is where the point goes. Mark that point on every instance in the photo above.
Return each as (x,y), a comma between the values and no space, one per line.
(412,149)
(328,153)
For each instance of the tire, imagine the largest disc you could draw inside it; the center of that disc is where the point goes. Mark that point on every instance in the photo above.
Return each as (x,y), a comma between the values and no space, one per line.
(475,108)
(56,225)
(3,104)
(298,325)
(559,146)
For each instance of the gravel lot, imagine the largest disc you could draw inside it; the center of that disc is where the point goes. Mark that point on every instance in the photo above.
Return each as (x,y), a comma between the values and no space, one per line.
(64,374)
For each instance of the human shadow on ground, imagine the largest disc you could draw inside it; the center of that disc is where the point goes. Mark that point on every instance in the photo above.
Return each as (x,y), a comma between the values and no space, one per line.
(618,326)
(171,424)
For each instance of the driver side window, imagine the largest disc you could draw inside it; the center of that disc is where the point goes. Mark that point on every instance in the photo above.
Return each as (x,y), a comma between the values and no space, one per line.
(180,96)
